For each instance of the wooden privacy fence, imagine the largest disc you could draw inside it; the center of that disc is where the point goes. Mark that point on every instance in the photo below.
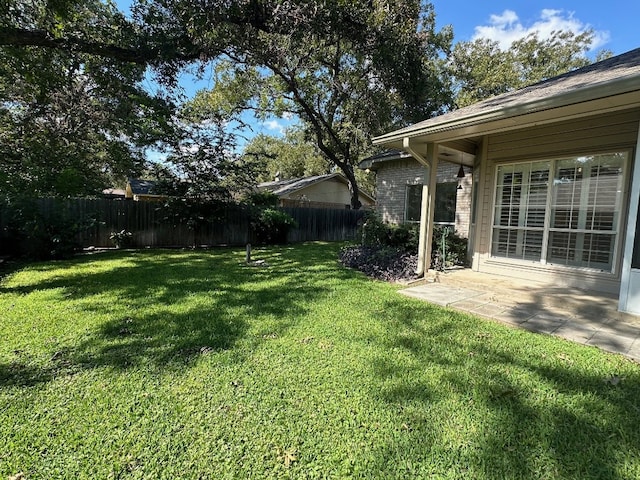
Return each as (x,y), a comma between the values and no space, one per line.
(324,224)
(153,224)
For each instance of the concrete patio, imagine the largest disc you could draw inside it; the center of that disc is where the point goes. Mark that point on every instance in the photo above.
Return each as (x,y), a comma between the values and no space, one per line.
(590,318)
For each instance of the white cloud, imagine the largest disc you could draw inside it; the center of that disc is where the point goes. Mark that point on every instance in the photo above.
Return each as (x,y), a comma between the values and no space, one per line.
(506,27)
(274,125)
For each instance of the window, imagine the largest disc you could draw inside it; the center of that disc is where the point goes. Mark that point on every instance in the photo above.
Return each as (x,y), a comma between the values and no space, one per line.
(413,203)
(445,203)
(445,211)
(579,228)
(521,201)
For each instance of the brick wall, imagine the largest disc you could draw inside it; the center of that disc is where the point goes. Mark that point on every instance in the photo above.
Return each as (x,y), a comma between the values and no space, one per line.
(393,177)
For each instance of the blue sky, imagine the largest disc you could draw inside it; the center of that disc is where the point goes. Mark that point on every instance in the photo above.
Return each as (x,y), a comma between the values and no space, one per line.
(614,22)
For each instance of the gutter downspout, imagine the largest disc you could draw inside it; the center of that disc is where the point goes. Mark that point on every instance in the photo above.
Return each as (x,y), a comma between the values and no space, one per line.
(407,147)
(428,200)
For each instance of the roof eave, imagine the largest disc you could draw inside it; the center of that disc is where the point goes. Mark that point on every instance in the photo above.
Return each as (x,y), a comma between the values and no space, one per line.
(284,190)
(586,94)
(373,163)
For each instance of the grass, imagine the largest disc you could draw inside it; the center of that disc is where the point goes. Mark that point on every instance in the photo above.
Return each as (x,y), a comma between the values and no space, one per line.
(167,364)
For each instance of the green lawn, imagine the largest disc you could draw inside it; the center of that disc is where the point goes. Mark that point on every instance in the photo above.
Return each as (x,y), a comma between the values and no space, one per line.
(169,364)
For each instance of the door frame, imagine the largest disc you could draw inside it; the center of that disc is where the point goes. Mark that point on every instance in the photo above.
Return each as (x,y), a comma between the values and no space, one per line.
(629,300)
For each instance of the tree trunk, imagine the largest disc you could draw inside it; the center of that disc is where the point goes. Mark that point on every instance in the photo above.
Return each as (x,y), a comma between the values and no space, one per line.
(347,169)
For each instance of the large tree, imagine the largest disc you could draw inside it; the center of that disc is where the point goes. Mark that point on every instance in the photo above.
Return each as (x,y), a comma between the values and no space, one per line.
(169,34)
(347,69)
(481,69)
(343,89)
(73,123)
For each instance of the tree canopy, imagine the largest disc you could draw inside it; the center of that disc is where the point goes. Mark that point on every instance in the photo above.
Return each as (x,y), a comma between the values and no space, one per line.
(286,157)
(293,155)
(348,70)
(73,123)
(75,115)
(344,88)
(480,69)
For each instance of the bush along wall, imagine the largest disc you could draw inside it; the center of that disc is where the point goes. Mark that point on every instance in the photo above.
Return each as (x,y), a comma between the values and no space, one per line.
(386,252)
(27,230)
(390,252)
(376,233)
(447,248)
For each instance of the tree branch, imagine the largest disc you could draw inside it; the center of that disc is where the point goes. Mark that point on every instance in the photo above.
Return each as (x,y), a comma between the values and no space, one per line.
(20,37)
(178,49)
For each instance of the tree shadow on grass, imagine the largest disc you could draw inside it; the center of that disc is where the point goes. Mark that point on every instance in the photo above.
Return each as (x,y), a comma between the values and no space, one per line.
(162,328)
(528,412)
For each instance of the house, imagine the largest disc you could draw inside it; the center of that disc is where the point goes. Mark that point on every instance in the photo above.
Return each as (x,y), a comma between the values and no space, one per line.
(555,179)
(399,183)
(320,191)
(142,190)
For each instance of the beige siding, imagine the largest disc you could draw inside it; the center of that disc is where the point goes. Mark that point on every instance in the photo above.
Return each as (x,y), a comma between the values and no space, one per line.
(483,214)
(328,192)
(588,135)
(393,177)
(584,135)
(463,204)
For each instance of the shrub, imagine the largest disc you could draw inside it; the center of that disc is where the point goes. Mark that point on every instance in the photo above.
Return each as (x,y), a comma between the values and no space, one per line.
(447,248)
(376,233)
(382,263)
(120,239)
(272,226)
(405,236)
(389,252)
(29,232)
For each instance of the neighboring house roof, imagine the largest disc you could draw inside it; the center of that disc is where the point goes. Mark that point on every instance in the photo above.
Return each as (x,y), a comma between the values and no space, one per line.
(141,187)
(113,192)
(373,161)
(138,189)
(284,188)
(614,76)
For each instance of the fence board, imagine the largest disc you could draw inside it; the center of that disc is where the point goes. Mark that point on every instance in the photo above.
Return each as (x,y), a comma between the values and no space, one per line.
(148,223)
(324,224)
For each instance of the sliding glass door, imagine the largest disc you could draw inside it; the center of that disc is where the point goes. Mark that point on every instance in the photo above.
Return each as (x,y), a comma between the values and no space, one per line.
(521,200)
(564,211)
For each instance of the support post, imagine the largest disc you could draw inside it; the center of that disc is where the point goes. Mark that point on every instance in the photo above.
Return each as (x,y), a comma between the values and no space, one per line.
(427,225)
(428,203)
